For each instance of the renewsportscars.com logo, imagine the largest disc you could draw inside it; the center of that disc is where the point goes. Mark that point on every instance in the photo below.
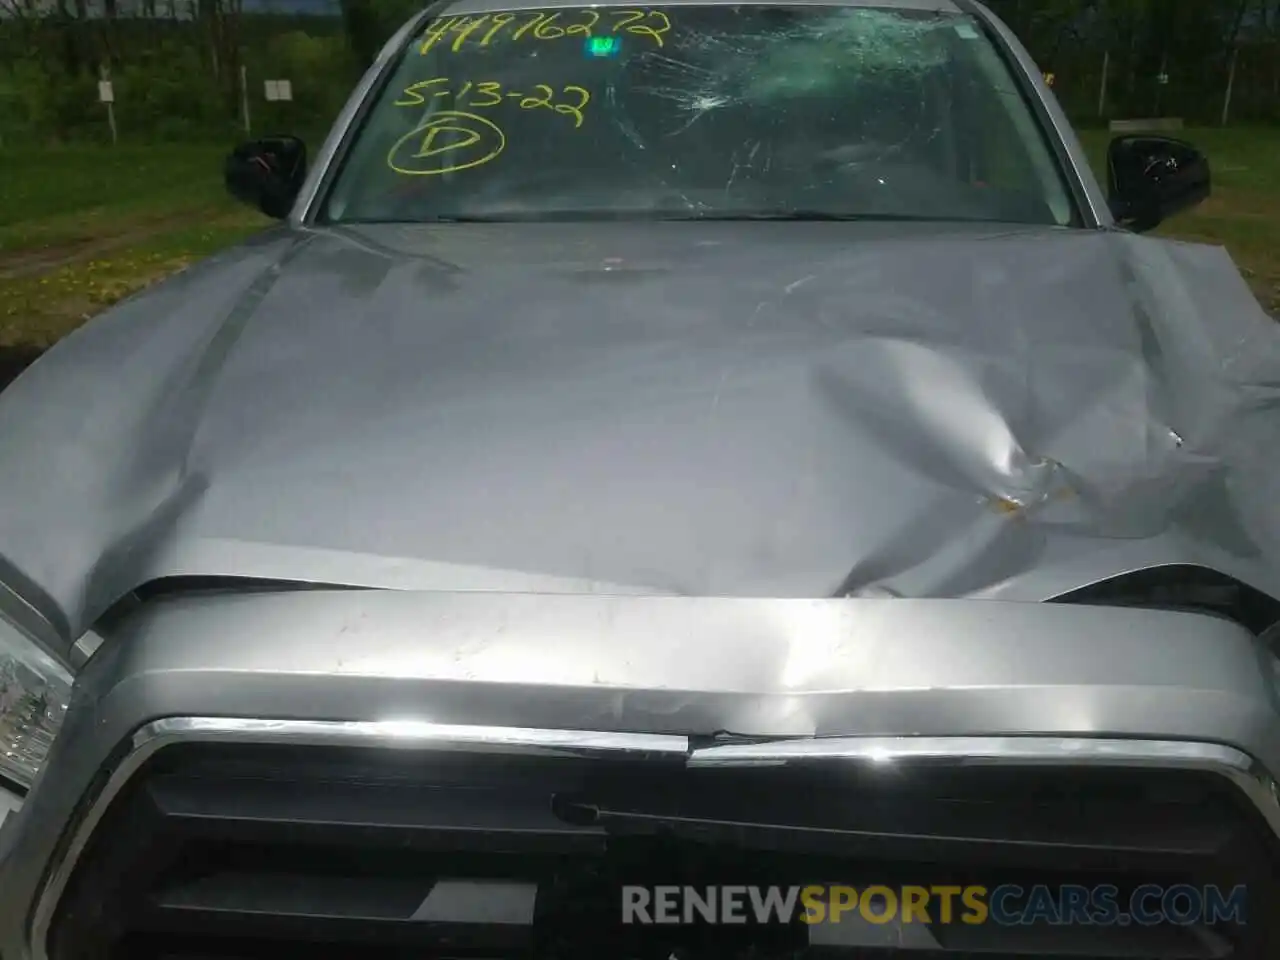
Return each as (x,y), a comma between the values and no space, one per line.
(1007,905)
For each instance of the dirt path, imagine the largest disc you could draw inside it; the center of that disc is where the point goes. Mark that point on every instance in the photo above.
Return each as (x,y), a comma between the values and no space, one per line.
(17,264)
(26,263)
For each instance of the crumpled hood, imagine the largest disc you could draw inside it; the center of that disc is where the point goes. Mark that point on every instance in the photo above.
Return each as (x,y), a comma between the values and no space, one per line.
(770,409)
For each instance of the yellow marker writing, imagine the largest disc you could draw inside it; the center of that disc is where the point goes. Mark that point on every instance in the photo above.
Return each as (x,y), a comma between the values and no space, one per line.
(546,29)
(530,103)
(489,93)
(628,21)
(488,89)
(450,141)
(542,25)
(471,27)
(499,20)
(434,33)
(537,19)
(584,29)
(574,110)
(412,98)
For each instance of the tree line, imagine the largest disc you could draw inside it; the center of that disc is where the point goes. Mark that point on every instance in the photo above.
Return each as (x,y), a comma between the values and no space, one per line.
(192,69)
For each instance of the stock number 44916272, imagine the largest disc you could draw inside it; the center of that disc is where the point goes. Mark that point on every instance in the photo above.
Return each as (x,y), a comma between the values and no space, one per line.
(541,25)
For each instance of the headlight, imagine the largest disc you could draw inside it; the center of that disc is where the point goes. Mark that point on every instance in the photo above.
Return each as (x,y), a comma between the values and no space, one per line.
(34,691)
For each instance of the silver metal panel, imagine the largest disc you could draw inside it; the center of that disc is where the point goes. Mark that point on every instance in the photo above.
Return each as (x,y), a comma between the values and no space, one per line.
(1048,409)
(425,664)
(405,735)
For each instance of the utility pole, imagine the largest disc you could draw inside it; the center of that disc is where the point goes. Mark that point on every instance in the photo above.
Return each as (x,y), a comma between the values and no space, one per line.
(244,95)
(1231,82)
(1102,88)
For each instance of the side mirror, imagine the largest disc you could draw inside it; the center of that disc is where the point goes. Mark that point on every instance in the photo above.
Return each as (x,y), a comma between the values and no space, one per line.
(267,174)
(1149,179)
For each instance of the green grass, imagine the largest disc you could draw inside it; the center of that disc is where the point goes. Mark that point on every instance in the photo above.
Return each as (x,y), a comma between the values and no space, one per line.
(36,310)
(82,227)
(61,196)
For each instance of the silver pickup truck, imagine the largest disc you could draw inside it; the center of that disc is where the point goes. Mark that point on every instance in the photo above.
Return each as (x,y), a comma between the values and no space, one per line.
(710,447)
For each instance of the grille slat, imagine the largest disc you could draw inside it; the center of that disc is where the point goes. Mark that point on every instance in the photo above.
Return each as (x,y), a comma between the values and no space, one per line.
(297,896)
(1167,943)
(427,817)
(1110,829)
(492,916)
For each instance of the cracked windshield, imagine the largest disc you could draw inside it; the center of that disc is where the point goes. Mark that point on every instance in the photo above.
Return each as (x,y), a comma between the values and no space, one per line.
(691,111)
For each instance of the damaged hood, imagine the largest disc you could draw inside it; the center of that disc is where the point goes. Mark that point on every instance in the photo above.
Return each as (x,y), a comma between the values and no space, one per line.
(730,409)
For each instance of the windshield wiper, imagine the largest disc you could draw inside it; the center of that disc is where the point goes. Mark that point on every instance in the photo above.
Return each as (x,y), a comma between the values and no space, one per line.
(767,215)
(464,218)
(800,215)
(811,215)
(420,221)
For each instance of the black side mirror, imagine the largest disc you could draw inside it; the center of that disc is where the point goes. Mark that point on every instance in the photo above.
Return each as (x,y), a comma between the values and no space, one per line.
(1149,179)
(267,173)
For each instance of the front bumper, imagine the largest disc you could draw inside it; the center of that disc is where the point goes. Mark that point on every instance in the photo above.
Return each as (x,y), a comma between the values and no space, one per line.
(697,682)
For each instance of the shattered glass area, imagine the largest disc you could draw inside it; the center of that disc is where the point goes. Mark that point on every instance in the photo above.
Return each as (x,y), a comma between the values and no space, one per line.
(843,51)
(844,45)
(752,111)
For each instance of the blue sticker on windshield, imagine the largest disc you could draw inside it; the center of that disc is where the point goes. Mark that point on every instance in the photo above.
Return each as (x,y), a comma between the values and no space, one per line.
(603,46)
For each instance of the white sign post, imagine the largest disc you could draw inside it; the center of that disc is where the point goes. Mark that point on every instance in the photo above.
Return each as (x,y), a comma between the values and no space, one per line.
(278,89)
(108,96)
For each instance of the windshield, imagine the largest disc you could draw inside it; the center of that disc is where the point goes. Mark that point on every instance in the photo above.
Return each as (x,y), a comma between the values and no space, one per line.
(701,111)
